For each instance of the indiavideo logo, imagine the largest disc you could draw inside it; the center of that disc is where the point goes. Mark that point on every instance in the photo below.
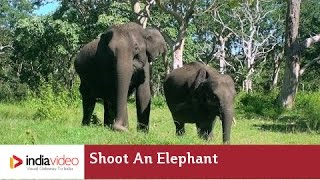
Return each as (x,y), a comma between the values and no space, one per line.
(15,161)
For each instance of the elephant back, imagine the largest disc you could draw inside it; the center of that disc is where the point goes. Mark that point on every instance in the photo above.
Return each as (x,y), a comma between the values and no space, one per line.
(86,56)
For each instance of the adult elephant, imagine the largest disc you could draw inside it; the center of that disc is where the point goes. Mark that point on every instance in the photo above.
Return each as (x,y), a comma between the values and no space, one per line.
(114,65)
(197,93)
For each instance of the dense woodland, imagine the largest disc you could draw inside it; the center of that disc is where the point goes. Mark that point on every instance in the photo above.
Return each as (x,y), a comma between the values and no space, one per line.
(267,46)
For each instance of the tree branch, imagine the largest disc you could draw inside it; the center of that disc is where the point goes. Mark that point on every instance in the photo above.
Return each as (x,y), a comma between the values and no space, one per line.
(303,69)
(142,16)
(176,15)
(205,11)
(311,40)
(6,46)
(216,17)
(190,11)
(228,36)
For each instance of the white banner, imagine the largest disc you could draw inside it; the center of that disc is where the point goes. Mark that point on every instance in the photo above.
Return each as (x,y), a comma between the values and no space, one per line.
(41,161)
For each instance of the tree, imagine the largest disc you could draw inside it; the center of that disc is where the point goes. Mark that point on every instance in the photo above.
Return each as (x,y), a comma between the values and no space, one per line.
(182,12)
(44,49)
(214,36)
(310,13)
(293,50)
(94,17)
(11,11)
(254,29)
(142,14)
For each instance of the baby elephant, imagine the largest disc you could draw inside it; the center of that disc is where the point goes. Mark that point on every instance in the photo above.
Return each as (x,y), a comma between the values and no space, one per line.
(197,93)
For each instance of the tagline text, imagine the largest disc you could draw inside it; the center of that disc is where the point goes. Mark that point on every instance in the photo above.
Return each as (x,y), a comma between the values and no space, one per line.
(161,158)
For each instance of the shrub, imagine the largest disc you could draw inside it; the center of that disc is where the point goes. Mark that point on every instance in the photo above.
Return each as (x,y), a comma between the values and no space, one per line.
(21,91)
(5,92)
(261,104)
(305,116)
(51,104)
(13,91)
(158,101)
(308,107)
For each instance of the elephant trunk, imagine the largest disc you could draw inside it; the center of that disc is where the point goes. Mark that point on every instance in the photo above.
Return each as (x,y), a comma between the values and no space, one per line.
(122,80)
(227,113)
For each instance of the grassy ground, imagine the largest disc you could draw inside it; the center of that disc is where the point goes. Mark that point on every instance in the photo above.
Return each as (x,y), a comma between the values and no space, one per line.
(19,127)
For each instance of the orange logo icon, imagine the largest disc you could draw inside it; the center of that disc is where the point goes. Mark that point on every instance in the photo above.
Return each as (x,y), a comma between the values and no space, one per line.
(14,164)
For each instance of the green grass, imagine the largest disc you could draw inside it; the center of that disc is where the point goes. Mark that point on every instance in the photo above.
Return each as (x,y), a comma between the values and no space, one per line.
(18,126)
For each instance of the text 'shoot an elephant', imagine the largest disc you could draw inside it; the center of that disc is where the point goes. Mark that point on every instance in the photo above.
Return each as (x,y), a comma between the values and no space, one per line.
(113,66)
(196,93)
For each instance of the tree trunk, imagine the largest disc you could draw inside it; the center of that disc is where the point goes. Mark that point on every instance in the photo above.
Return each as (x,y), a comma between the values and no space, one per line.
(291,75)
(275,76)
(247,84)
(178,54)
(250,58)
(222,55)
(276,69)
(142,16)
(290,84)
(166,63)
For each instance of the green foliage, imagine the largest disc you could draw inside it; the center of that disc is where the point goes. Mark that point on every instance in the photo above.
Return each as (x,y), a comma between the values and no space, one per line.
(94,17)
(43,48)
(159,101)
(12,11)
(308,107)
(49,105)
(304,117)
(12,91)
(118,13)
(106,20)
(310,16)
(258,104)
(158,76)
(52,104)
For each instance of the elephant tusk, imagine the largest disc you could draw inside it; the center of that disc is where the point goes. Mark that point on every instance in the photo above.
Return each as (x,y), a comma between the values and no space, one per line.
(234,121)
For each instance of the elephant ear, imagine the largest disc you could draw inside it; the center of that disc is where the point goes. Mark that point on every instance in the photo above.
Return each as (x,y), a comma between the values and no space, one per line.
(155,43)
(106,37)
(150,42)
(201,77)
(150,48)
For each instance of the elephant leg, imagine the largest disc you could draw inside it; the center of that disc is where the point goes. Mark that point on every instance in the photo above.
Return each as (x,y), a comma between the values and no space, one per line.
(125,123)
(121,124)
(143,101)
(180,130)
(108,114)
(205,129)
(88,104)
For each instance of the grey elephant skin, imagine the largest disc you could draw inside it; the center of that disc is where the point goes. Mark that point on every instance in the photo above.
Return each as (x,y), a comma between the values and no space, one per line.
(197,93)
(112,66)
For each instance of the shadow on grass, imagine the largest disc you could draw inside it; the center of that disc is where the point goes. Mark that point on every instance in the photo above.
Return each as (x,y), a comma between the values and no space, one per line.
(303,118)
(286,124)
